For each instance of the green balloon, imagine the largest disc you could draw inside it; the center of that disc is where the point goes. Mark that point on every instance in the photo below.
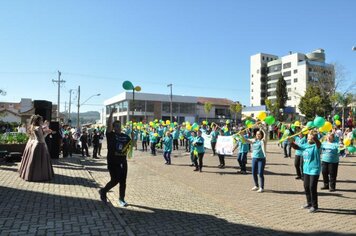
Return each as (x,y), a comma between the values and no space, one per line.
(336,117)
(351,149)
(247,122)
(319,121)
(310,124)
(127,85)
(270,120)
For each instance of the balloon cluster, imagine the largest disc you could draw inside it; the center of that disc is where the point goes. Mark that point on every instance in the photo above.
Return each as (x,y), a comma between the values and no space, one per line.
(269,120)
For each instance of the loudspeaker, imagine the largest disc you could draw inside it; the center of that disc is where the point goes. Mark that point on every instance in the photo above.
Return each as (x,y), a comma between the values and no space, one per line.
(43,108)
(53,140)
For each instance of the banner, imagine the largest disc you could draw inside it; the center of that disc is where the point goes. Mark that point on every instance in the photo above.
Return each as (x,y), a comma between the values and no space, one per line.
(207,140)
(224,145)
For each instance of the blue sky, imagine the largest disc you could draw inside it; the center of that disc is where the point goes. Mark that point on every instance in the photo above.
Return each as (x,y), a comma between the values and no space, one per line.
(203,47)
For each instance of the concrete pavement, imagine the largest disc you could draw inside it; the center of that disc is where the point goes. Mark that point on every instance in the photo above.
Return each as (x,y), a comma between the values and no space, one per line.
(174,200)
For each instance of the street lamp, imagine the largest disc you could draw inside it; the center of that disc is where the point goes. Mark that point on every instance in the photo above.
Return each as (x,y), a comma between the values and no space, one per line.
(171,108)
(81,104)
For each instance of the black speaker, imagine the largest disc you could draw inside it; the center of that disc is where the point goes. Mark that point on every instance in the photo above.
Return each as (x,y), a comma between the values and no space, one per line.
(53,140)
(43,108)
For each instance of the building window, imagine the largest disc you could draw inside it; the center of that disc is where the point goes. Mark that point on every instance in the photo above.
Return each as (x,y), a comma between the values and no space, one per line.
(288,82)
(287,65)
(310,69)
(263,58)
(252,97)
(251,90)
(258,71)
(252,76)
(295,80)
(295,88)
(286,74)
(295,71)
(289,98)
(289,89)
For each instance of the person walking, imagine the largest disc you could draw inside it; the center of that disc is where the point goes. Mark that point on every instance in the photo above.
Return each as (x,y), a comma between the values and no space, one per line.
(36,162)
(167,142)
(298,161)
(84,140)
(311,169)
(221,155)
(118,145)
(242,155)
(329,162)
(198,145)
(214,135)
(95,142)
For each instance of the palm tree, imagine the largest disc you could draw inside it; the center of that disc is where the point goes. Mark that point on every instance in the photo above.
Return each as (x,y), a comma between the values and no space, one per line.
(235,108)
(207,108)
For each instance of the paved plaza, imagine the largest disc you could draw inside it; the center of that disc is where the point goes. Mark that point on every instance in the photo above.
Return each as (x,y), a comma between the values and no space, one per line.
(174,200)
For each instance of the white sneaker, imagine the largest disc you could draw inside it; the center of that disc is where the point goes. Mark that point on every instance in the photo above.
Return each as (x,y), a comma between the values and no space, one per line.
(260,190)
(254,188)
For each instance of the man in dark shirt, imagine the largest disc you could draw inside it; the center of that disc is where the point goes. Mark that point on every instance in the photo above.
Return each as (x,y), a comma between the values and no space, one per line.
(118,147)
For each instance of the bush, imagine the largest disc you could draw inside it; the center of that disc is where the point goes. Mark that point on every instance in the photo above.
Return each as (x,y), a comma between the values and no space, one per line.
(13,138)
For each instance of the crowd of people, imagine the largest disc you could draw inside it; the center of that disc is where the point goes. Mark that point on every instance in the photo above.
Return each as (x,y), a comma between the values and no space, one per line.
(316,152)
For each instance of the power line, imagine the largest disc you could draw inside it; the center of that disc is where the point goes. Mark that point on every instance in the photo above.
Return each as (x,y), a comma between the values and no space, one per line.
(59,82)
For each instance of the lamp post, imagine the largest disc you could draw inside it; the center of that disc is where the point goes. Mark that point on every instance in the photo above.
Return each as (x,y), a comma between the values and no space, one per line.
(171,100)
(81,104)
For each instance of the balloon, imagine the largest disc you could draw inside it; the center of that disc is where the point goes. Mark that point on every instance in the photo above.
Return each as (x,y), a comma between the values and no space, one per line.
(297,123)
(337,122)
(127,85)
(195,126)
(310,124)
(336,117)
(270,120)
(347,142)
(305,130)
(227,121)
(151,123)
(155,134)
(138,88)
(168,122)
(351,149)
(249,125)
(247,122)
(319,121)
(175,123)
(321,130)
(327,127)
(188,127)
(261,115)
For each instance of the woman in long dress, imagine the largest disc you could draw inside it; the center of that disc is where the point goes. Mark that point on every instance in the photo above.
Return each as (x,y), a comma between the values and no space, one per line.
(36,163)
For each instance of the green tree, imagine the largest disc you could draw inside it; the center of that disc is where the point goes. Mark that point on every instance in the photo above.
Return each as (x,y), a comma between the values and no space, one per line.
(207,108)
(235,108)
(314,102)
(342,100)
(281,93)
(272,107)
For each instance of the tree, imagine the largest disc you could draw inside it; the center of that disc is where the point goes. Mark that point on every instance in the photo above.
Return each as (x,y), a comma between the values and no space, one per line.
(272,107)
(235,108)
(281,93)
(207,108)
(314,102)
(343,100)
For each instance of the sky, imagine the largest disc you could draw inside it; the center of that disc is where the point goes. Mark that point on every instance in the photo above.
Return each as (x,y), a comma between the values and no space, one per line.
(202,47)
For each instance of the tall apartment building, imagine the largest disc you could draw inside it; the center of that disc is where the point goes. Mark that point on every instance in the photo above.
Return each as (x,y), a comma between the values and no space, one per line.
(298,70)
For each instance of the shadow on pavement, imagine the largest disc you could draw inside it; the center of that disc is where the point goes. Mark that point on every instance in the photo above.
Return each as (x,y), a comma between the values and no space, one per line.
(338,211)
(302,193)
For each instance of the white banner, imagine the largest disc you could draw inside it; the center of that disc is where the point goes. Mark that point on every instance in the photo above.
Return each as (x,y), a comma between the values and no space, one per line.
(207,140)
(225,145)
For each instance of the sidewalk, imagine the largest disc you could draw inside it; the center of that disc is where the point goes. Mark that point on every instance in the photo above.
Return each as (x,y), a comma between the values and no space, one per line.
(174,200)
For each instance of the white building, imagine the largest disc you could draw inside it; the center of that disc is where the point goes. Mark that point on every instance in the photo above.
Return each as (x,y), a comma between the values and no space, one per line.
(297,69)
(148,107)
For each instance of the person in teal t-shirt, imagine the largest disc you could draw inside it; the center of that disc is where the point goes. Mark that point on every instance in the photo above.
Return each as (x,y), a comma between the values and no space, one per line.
(214,136)
(221,155)
(191,139)
(175,135)
(298,161)
(258,158)
(198,144)
(242,154)
(168,143)
(153,141)
(311,169)
(144,139)
(329,162)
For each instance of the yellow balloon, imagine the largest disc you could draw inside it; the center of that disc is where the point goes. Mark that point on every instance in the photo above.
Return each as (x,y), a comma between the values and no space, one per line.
(305,130)
(327,127)
(261,115)
(337,122)
(321,130)
(188,127)
(249,125)
(347,142)
(297,123)
(168,122)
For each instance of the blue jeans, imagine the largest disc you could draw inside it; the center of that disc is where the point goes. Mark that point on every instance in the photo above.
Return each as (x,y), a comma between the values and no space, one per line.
(167,157)
(258,167)
(242,159)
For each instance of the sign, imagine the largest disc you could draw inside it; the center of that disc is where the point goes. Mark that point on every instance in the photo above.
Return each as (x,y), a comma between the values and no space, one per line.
(207,140)
(224,145)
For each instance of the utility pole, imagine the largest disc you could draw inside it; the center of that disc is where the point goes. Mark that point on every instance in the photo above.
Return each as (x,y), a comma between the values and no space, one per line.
(171,106)
(59,82)
(70,103)
(78,107)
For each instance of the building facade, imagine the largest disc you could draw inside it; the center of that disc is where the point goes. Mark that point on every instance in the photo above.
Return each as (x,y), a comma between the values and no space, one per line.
(148,107)
(298,70)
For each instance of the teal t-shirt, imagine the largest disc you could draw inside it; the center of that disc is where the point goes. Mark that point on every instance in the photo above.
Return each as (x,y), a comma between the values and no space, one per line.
(299,141)
(329,152)
(214,136)
(175,134)
(167,142)
(135,135)
(199,140)
(153,139)
(257,149)
(187,133)
(243,147)
(160,132)
(191,140)
(311,159)
(144,136)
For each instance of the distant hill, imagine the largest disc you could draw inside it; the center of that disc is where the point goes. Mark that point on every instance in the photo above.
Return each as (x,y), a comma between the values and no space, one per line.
(85,117)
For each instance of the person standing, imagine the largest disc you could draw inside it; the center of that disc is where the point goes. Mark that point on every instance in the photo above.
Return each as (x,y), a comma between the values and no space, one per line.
(118,145)
(298,161)
(95,144)
(175,138)
(36,162)
(242,155)
(221,155)
(258,158)
(329,162)
(167,142)
(214,135)
(198,144)
(84,141)
(311,169)
(101,139)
